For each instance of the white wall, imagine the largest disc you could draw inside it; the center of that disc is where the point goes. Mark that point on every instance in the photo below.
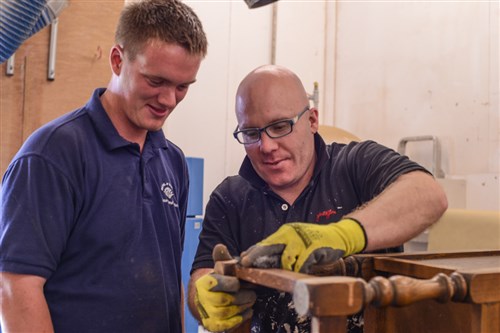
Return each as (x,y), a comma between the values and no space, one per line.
(202,125)
(425,68)
(386,70)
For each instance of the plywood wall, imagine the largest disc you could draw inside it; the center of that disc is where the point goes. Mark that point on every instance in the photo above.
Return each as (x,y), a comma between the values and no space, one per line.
(28,99)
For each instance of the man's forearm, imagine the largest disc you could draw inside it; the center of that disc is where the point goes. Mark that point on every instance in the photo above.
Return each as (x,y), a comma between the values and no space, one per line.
(23,305)
(402,211)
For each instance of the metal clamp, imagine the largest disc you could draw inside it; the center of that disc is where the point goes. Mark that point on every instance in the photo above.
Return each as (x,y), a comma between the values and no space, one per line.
(436,154)
(9,70)
(314,96)
(51,72)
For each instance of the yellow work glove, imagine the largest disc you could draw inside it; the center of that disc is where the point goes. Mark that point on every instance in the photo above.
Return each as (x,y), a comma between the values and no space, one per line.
(304,245)
(220,301)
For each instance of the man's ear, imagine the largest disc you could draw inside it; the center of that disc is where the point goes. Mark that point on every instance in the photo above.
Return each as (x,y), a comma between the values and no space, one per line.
(313,119)
(116,59)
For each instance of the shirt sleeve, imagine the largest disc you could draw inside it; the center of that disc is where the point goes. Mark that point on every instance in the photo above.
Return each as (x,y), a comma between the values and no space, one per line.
(374,167)
(37,212)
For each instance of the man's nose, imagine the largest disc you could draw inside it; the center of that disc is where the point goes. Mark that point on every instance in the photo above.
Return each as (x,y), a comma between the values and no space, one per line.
(267,144)
(167,97)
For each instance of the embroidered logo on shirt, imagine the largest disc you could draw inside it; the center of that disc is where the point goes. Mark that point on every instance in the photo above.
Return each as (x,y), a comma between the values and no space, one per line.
(326,214)
(168,191)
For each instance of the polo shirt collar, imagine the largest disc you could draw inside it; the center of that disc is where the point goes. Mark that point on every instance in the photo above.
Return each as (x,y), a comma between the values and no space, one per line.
(248,172)
(107,131)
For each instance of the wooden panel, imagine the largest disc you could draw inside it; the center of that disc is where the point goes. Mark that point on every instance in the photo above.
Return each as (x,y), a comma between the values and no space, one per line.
(428,265)
(426,316)
(434,317)
(328,324)
(490,317)
(28,99)
(483,288)
(11,121)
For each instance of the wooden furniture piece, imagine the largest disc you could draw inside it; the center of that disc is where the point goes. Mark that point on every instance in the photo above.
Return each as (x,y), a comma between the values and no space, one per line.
(335,134)
(465,230)
(428,292)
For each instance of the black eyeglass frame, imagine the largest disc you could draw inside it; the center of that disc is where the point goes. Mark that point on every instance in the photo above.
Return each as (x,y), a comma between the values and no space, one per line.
(291,121)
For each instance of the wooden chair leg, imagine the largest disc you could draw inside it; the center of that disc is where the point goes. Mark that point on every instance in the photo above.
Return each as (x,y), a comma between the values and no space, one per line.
(329,324)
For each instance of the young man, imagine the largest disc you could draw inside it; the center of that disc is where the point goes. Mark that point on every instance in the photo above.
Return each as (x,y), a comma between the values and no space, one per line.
(94,203)
(291,187)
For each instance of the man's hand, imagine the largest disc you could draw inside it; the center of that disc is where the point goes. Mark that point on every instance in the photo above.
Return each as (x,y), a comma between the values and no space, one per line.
(221,303)
(304,245)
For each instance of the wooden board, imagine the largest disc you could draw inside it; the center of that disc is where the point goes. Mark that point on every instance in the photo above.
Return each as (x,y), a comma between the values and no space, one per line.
(28,99)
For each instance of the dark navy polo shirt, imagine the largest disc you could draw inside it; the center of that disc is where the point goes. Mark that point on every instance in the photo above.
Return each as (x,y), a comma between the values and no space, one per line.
(103,223)
(243,210)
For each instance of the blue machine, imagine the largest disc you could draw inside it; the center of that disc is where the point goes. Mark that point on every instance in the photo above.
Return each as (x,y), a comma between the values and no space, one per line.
(193,228)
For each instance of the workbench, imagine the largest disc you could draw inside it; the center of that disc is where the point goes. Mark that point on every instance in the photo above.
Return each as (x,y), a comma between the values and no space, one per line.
(405,293)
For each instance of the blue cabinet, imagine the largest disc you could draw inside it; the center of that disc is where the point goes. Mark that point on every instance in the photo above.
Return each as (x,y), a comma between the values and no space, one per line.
(195,199)
(193,228)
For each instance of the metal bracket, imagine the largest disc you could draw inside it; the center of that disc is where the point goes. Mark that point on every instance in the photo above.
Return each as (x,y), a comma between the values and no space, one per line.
(436,154)
(51,73)
(314,96)
(9,69)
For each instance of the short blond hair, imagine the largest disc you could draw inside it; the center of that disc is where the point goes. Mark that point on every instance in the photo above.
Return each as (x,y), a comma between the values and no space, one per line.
(169,21)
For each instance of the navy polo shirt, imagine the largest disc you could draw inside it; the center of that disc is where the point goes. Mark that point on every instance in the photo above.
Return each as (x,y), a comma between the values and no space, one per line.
(243,210)
(103,223)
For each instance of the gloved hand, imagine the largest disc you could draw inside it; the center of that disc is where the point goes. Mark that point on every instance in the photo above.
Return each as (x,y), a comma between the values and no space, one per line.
(302,246)
(220,301)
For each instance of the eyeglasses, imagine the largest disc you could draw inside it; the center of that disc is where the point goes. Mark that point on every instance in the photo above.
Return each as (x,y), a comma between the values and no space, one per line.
(274,130)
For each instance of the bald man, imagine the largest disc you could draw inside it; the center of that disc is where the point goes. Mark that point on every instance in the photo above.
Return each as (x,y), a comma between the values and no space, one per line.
(302,201)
